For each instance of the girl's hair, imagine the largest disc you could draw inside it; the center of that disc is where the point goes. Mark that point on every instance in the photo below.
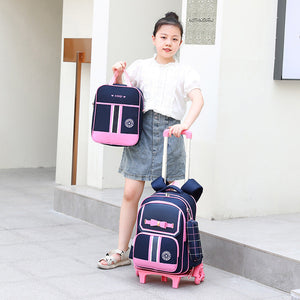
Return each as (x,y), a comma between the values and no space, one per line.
(170,18)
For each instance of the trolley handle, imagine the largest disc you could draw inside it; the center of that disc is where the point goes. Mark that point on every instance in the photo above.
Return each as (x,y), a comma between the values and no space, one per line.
(188,135)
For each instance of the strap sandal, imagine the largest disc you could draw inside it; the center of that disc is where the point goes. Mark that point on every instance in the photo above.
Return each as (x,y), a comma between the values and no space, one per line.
(113,262)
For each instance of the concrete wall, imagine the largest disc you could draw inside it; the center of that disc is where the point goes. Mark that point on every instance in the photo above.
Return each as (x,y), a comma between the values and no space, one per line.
(29,82)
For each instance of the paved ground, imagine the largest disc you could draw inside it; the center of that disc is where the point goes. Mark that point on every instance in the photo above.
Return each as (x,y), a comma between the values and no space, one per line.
(48,255)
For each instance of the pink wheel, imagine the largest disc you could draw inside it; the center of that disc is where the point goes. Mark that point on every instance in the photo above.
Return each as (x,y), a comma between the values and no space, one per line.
(175,282)
(143,277)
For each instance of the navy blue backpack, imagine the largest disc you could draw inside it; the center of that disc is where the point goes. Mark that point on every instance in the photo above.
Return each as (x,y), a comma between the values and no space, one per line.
(167,237)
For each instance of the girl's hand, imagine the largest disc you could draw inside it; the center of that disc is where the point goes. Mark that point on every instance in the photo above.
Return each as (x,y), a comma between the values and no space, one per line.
(177,129)
(119,66)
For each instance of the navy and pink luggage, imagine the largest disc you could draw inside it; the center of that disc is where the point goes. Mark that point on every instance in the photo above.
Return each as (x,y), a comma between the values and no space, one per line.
(118,114)
(167,240)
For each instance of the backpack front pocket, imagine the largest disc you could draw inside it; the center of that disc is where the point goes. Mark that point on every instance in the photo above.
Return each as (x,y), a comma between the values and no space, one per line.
(156,252)
(161,218)
(194,243)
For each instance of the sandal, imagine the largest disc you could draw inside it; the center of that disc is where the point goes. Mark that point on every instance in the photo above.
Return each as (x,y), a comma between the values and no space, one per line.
(112,262)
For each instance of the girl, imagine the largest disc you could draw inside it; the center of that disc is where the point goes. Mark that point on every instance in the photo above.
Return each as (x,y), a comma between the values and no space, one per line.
(166,85)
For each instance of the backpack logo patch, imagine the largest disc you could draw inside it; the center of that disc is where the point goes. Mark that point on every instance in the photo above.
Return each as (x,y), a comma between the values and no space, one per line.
(129,123)
(166,255)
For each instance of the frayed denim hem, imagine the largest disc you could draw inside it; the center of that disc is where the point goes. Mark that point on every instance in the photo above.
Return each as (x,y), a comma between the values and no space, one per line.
(148,177)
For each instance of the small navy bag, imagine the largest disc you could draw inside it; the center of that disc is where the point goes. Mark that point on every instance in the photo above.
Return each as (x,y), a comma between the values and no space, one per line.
(118,114)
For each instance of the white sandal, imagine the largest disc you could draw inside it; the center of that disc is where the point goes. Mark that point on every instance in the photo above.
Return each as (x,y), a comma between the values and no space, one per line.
(112,262)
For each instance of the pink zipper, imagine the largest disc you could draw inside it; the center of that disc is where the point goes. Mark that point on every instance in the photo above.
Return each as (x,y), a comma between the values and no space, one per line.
(189,209)
(116,104)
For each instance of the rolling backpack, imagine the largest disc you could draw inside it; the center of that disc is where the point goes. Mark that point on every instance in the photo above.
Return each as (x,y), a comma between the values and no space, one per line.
(167,240)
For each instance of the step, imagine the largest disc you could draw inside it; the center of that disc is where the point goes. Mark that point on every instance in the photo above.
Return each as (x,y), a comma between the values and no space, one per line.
(264,249)
(99,207)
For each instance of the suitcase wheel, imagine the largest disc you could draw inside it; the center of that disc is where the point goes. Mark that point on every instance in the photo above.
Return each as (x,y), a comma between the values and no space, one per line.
(197,273)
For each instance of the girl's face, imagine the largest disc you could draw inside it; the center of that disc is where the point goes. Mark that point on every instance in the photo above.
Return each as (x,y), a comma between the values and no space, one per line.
(167,42)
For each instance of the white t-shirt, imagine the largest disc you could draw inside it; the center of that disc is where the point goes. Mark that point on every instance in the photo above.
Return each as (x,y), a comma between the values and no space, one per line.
(165,86)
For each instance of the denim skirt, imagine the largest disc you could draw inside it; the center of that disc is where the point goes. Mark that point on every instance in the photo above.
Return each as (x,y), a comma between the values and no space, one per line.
(144,160)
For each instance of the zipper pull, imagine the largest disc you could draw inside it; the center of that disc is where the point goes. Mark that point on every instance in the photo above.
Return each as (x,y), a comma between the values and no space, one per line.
(189,213)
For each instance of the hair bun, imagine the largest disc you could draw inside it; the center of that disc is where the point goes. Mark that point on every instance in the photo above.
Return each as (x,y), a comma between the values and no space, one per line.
(170,18)
(171,15)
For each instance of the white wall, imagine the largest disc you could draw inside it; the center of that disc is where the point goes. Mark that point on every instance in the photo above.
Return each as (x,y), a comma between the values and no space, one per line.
(206,60)
(98,77)
(247,135)
(77,23)
(245,143)
(29,82)
(257,153)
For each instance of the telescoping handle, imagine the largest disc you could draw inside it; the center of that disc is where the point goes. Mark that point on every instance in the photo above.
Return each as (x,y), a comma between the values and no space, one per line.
(188,135)
(127,79)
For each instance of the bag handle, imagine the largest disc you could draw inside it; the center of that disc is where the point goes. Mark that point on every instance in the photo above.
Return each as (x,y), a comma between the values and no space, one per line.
(191,187)
(159,185)
(127,79)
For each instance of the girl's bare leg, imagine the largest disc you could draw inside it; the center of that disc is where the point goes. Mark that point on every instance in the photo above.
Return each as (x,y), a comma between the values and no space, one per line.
(133,190)
(132,193)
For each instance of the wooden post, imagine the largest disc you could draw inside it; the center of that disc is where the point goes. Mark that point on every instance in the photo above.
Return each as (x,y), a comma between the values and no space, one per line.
(79,60)
(79,51)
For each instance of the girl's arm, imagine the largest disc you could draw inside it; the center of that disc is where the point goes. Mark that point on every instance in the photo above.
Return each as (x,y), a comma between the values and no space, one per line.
(120,67)
(197,103)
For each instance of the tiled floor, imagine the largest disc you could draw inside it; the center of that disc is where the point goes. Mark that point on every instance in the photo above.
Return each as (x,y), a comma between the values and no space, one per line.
(48,255)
